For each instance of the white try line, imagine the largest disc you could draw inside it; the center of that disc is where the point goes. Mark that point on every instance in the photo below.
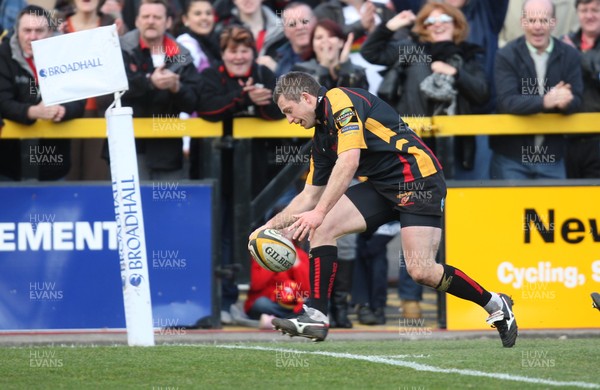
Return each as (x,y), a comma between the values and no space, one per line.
(422,367)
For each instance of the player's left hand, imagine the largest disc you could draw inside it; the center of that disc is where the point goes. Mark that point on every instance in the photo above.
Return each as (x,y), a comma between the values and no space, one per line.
(306,224)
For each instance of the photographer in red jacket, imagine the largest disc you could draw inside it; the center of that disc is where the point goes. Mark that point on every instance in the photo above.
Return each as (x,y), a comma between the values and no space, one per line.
(278,294)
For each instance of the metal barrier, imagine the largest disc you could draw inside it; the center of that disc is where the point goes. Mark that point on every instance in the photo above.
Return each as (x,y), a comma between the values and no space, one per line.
(157,127)
(438,126)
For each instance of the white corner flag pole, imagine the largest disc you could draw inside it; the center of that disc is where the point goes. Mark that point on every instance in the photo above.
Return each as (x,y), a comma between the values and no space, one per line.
(130,224)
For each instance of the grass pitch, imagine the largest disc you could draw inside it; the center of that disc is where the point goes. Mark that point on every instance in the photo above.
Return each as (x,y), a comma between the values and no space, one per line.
(427,364)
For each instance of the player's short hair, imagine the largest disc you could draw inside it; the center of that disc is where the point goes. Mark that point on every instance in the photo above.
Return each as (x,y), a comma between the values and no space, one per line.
(291,86)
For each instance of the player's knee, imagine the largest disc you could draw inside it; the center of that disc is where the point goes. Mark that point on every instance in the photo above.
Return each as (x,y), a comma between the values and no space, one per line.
(322,233)
(418,274)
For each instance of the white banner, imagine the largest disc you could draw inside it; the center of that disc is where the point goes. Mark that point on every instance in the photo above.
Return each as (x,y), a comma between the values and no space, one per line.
(130,227)
(80,65)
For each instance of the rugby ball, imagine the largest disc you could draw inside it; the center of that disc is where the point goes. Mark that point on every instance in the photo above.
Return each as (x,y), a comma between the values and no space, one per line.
(272,251)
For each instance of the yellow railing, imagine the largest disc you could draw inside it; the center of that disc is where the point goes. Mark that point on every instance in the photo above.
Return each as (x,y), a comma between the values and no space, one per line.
(96,128)
(439,126)
(516,124)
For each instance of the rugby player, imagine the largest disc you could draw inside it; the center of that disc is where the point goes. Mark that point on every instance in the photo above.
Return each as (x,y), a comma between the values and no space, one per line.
(358,134)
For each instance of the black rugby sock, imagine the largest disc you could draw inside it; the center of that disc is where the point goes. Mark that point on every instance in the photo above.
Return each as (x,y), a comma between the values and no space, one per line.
(459,284)
(323,266)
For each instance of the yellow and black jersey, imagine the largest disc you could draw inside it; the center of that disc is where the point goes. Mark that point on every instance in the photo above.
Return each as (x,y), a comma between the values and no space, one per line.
(352,118)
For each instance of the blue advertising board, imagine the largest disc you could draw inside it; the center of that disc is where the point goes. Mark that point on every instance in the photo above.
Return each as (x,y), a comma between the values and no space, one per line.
(59,267)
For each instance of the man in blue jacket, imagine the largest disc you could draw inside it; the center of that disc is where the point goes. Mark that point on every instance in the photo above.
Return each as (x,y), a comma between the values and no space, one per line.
(535,73)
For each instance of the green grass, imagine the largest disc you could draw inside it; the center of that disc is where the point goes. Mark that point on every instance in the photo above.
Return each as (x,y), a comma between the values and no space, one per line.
(222,367)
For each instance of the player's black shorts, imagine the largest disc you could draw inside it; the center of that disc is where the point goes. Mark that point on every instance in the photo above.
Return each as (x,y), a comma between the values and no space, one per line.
(417,203)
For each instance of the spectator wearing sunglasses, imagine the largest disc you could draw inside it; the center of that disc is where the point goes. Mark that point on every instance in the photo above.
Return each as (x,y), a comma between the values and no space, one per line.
(439,73)
(436,48)
(485,20)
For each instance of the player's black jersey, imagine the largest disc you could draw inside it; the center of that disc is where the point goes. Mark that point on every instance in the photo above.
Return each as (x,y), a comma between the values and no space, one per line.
(352,118)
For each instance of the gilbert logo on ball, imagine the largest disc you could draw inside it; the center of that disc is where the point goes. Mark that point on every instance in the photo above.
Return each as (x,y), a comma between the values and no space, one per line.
(272,251)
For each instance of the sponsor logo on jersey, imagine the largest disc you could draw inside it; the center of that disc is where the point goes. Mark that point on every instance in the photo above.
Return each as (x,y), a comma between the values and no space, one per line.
(345,116)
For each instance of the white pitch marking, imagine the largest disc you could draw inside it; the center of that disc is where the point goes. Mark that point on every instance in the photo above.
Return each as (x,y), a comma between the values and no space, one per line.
(420,355)
(422,367)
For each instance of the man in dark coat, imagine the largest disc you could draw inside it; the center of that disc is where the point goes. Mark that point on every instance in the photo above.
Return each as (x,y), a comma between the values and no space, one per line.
(162,83)
(535,73)
(20,101)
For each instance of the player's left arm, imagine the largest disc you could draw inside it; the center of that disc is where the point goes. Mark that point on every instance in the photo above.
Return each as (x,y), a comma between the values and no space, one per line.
(346,112)
(339,181)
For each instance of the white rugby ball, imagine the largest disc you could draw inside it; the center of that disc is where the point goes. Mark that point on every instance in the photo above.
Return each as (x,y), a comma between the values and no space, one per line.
(272,251)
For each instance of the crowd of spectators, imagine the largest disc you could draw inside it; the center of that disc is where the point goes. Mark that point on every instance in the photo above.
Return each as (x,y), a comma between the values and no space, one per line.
(341,43)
